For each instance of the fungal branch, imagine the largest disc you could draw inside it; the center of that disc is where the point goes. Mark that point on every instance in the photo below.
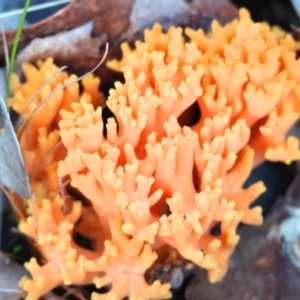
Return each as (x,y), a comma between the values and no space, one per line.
(154,185)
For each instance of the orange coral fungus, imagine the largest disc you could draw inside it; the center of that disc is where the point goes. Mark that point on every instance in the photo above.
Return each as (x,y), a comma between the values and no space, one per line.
(40,141)
(157,175)
(248,70)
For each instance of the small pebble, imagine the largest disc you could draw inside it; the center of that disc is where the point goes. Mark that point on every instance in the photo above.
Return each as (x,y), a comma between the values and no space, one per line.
(177,278)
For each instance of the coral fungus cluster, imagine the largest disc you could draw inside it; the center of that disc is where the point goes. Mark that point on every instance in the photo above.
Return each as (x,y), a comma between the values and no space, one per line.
(191,120)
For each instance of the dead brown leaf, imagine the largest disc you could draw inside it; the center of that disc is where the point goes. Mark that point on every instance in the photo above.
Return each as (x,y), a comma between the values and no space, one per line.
(72,43)
(113,17)
(116,20)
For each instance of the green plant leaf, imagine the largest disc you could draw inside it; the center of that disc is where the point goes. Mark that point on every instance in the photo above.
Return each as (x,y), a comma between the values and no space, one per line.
(15,46)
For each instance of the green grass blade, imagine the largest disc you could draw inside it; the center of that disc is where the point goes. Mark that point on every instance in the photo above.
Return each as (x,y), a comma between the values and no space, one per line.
(15,45)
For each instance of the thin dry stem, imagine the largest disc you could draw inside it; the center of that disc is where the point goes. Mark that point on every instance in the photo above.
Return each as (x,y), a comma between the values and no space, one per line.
(43,101)
(5,47)
(67,205)
(41,163)
(20,213)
